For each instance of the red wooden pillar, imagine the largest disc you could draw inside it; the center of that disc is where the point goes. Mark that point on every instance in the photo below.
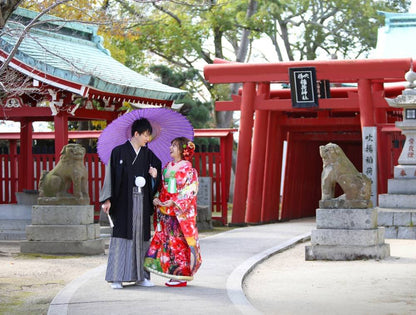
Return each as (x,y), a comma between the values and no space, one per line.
(365,100)
(273,169)
(243,152)
(380,112)
(25,156)
(258,155)
(289,181)
(61,133)
(367,119)
(14,175)
(226,145)
(383,145)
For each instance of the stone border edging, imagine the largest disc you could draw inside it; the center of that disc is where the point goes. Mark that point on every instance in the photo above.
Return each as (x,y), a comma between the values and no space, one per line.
(60,303)
(235,280)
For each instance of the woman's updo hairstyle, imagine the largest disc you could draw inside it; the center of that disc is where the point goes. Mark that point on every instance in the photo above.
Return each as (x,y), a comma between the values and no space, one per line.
(186,147)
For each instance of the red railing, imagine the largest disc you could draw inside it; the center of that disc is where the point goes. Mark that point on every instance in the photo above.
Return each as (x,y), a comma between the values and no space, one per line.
(206,163)
(8,177)
(41,162)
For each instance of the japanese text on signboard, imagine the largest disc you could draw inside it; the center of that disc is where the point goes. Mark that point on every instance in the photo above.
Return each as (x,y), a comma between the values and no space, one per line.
(370,158)
(303,87)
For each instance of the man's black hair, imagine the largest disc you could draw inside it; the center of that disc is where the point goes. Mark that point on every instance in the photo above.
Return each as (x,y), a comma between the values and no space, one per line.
(141,125)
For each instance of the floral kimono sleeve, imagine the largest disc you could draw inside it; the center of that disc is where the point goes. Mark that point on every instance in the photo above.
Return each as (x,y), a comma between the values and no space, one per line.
(174,251)
(185,203)
(187,190)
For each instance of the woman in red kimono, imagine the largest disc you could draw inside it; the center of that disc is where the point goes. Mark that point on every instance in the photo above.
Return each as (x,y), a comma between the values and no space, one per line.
(174,250)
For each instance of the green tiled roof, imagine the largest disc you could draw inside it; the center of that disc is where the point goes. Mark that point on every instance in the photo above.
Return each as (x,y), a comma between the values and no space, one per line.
(75,53)
(396,38)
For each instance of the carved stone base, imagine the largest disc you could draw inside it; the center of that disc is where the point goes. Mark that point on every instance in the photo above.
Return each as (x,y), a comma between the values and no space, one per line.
(336,252)
(63,229)
(204,218)
(347,234)
(345,204)
(399,223)
(67,200)
(397,208)
(87,247)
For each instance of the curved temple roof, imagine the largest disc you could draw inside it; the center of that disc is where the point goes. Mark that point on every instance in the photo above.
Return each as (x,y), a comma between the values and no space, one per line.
(396,38)
(72,54)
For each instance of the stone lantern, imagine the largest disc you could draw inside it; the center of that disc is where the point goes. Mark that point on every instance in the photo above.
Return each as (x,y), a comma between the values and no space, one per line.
(397,208)
(407,101)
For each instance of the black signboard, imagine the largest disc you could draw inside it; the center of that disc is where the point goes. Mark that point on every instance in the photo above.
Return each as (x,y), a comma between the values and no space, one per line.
(303,87)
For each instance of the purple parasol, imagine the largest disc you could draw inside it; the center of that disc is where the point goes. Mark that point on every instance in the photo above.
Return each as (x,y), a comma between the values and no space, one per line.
(166,124)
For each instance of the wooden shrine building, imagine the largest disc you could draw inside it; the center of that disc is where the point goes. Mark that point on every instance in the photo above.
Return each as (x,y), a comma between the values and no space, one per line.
(345,104)
(68,75)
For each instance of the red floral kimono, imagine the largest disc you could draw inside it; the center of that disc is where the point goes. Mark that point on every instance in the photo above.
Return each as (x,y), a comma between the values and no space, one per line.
(174,250)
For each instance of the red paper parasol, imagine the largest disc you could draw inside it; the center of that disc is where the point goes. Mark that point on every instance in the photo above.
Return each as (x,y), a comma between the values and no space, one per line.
(166,124)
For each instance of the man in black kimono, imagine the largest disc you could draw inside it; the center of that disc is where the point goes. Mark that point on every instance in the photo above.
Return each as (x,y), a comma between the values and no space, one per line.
(128,161)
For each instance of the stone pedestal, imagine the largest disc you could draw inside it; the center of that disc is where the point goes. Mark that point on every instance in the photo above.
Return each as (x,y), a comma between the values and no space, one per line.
(204,204)
(15,217)
(63,229)
(27,197)
(347,234)
(397,208)
(204,218)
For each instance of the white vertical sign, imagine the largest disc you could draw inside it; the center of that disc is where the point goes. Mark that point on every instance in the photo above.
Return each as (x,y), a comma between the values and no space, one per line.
(370,159)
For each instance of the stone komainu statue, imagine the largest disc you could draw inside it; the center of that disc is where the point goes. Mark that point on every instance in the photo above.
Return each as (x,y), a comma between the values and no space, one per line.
(338,169)
(54,185)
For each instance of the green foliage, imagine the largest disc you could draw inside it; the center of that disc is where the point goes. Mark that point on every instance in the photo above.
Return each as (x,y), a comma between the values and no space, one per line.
(182,35)
(173,78)
(309,29)
(207,144)
(197,112)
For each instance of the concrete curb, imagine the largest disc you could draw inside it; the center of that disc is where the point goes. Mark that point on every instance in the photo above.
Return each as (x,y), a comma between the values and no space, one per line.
(235,280)
(59,305)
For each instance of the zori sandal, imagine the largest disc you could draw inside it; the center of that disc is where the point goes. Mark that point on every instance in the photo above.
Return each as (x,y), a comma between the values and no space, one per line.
(176,283)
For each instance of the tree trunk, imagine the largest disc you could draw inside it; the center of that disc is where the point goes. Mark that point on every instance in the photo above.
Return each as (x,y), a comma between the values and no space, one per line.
(84,125)
(6,9)
(225,118)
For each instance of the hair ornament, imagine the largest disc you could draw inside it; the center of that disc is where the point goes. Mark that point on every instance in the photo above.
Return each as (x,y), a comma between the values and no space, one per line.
(188,151)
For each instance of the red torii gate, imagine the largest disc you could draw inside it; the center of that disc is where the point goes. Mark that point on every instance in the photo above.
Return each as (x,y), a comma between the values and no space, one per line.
(270,112)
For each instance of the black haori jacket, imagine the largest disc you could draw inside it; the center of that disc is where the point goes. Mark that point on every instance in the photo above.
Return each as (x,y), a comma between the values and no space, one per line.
(123,175)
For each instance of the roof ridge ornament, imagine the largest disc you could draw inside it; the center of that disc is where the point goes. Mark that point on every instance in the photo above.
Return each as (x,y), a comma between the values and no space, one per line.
(99,40)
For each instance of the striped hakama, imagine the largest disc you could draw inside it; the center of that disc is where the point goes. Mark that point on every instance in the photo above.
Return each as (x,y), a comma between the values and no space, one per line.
(125,257)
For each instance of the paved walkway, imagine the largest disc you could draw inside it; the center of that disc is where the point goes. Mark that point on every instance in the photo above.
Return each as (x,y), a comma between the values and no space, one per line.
(217,287)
